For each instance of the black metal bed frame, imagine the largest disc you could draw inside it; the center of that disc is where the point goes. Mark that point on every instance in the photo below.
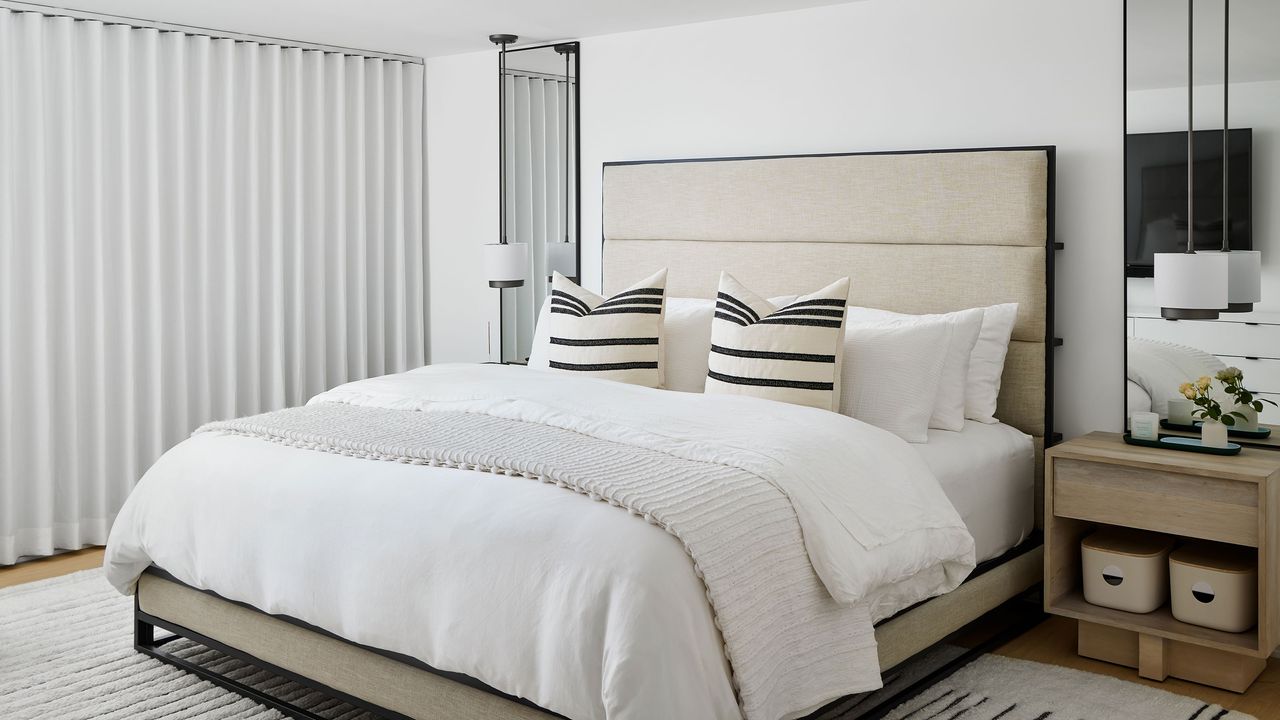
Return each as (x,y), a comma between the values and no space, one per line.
(1017,614)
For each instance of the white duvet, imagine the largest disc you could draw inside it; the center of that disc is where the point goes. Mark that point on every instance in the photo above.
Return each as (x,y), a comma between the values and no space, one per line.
(539,592)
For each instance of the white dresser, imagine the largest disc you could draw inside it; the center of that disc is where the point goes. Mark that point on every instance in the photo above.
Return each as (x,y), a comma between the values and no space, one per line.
(1249,341)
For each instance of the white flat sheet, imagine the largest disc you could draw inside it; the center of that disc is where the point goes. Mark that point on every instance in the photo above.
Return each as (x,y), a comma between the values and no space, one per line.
(988,473)
(540,592)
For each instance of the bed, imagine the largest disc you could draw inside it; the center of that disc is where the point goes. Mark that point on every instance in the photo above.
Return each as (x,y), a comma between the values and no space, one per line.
(268,567)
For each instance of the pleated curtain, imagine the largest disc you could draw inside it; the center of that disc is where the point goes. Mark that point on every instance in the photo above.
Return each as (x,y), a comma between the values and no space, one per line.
(190,228)
(535,129)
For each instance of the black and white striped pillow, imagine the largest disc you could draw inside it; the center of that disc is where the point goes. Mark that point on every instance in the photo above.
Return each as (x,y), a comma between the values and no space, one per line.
(790,353)
(617,339)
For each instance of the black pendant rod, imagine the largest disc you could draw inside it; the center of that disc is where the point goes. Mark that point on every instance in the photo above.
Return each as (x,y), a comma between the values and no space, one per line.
(502,40)
(1191,129)
(568,88)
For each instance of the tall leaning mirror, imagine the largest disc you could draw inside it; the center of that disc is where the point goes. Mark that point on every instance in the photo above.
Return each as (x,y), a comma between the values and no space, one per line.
(539,181)
(1202,204)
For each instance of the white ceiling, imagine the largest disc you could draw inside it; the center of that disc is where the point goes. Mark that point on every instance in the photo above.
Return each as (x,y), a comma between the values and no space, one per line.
(433,27)
(1157,37)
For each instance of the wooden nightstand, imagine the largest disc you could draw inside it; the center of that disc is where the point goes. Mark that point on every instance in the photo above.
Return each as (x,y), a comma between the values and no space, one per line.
(1098,480)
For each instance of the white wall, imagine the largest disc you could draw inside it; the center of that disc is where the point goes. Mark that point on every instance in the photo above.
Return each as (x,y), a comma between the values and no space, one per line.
(1255,105)
(880,74)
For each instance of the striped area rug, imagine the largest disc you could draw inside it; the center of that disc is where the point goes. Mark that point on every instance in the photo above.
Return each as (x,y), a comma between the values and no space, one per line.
(66,653)
(1000,688)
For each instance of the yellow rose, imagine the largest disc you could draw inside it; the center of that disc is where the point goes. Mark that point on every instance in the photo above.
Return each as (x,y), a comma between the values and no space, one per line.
(1189,393)
(1204,382)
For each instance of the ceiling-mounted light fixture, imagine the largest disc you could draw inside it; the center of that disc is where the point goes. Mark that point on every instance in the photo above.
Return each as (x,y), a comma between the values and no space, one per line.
(562,257)
(1191,285)
(505,263)
(1244,267)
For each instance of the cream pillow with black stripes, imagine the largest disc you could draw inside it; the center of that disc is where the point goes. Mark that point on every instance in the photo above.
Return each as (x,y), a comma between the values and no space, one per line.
(789,353)
(619,338)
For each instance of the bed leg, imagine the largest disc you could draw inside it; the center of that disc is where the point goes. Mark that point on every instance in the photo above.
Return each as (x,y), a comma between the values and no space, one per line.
(144,633)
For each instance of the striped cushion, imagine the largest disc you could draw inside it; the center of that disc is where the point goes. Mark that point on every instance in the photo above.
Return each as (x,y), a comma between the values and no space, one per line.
(617,339)
(790,353)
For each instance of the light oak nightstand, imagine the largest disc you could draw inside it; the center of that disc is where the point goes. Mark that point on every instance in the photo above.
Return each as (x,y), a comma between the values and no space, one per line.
(1098,480)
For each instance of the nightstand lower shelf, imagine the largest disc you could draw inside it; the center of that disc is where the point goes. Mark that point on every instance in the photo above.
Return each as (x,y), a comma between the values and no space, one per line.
(1160,623)
(1158,658)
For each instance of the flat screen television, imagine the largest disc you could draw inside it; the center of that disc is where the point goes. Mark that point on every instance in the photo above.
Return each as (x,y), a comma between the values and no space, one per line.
(1156,194)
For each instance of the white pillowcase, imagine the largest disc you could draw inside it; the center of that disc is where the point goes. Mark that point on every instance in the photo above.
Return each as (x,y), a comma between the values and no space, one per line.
(986,365)
(688,341)
(949,405)
(891,373)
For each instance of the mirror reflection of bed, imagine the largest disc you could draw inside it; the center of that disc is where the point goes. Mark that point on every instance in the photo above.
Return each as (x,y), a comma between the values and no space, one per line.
(1164,353)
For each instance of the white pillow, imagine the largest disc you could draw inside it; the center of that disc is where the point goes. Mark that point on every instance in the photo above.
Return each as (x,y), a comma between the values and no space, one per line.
(541,337)
(949,406)
(790,354)
(986,364)
(688,340)
(891,374)
(617,338)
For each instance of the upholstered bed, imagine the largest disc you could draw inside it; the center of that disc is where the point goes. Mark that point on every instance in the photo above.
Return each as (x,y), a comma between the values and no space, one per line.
(920,232)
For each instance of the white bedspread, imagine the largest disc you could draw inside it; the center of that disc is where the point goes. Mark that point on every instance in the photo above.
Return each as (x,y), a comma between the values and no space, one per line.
(539,592)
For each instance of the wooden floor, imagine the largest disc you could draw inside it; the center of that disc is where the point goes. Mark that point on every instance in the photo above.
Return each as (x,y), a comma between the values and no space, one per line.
(45,568)
(1053,641)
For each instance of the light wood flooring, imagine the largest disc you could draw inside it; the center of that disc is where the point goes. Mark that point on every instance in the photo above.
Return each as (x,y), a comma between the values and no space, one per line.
(1053,641)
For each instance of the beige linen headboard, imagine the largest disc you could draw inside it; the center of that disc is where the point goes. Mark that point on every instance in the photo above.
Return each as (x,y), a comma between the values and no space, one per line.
(917,232)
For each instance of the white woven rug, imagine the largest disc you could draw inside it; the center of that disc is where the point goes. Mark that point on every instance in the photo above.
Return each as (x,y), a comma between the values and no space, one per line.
(995,687)
(66,653)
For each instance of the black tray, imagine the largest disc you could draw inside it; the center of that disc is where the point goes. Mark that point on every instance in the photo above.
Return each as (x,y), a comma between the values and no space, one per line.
(1184,444)
(1258,434)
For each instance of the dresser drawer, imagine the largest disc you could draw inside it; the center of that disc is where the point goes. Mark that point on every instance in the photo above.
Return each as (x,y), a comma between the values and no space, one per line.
(1160,501)
(1218,337)
(1261,375)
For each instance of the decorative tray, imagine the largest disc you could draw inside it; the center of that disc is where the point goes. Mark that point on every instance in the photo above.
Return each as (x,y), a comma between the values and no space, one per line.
(1258,434)
(1185,444)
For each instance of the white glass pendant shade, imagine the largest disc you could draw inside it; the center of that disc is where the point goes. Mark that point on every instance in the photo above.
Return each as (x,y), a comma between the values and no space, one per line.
(1191,286)
(562,257)
(505,264)
(1244,275)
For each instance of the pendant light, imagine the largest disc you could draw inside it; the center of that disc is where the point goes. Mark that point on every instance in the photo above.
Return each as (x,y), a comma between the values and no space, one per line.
(1244,267)
(504,263)
(1191,285)
(562,256)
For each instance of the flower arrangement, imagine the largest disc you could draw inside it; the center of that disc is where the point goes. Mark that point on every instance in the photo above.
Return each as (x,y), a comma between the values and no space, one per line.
(1233,382)
(1206,407)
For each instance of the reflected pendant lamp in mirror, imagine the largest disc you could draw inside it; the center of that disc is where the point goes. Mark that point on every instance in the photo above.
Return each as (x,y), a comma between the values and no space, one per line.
(1244,267)
(504,263)
(1191,285)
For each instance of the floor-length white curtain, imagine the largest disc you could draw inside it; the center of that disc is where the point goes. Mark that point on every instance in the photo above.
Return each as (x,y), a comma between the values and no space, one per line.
(535,129)
(190,228)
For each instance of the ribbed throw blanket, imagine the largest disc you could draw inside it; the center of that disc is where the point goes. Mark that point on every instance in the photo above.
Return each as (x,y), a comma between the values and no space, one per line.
(789,644)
